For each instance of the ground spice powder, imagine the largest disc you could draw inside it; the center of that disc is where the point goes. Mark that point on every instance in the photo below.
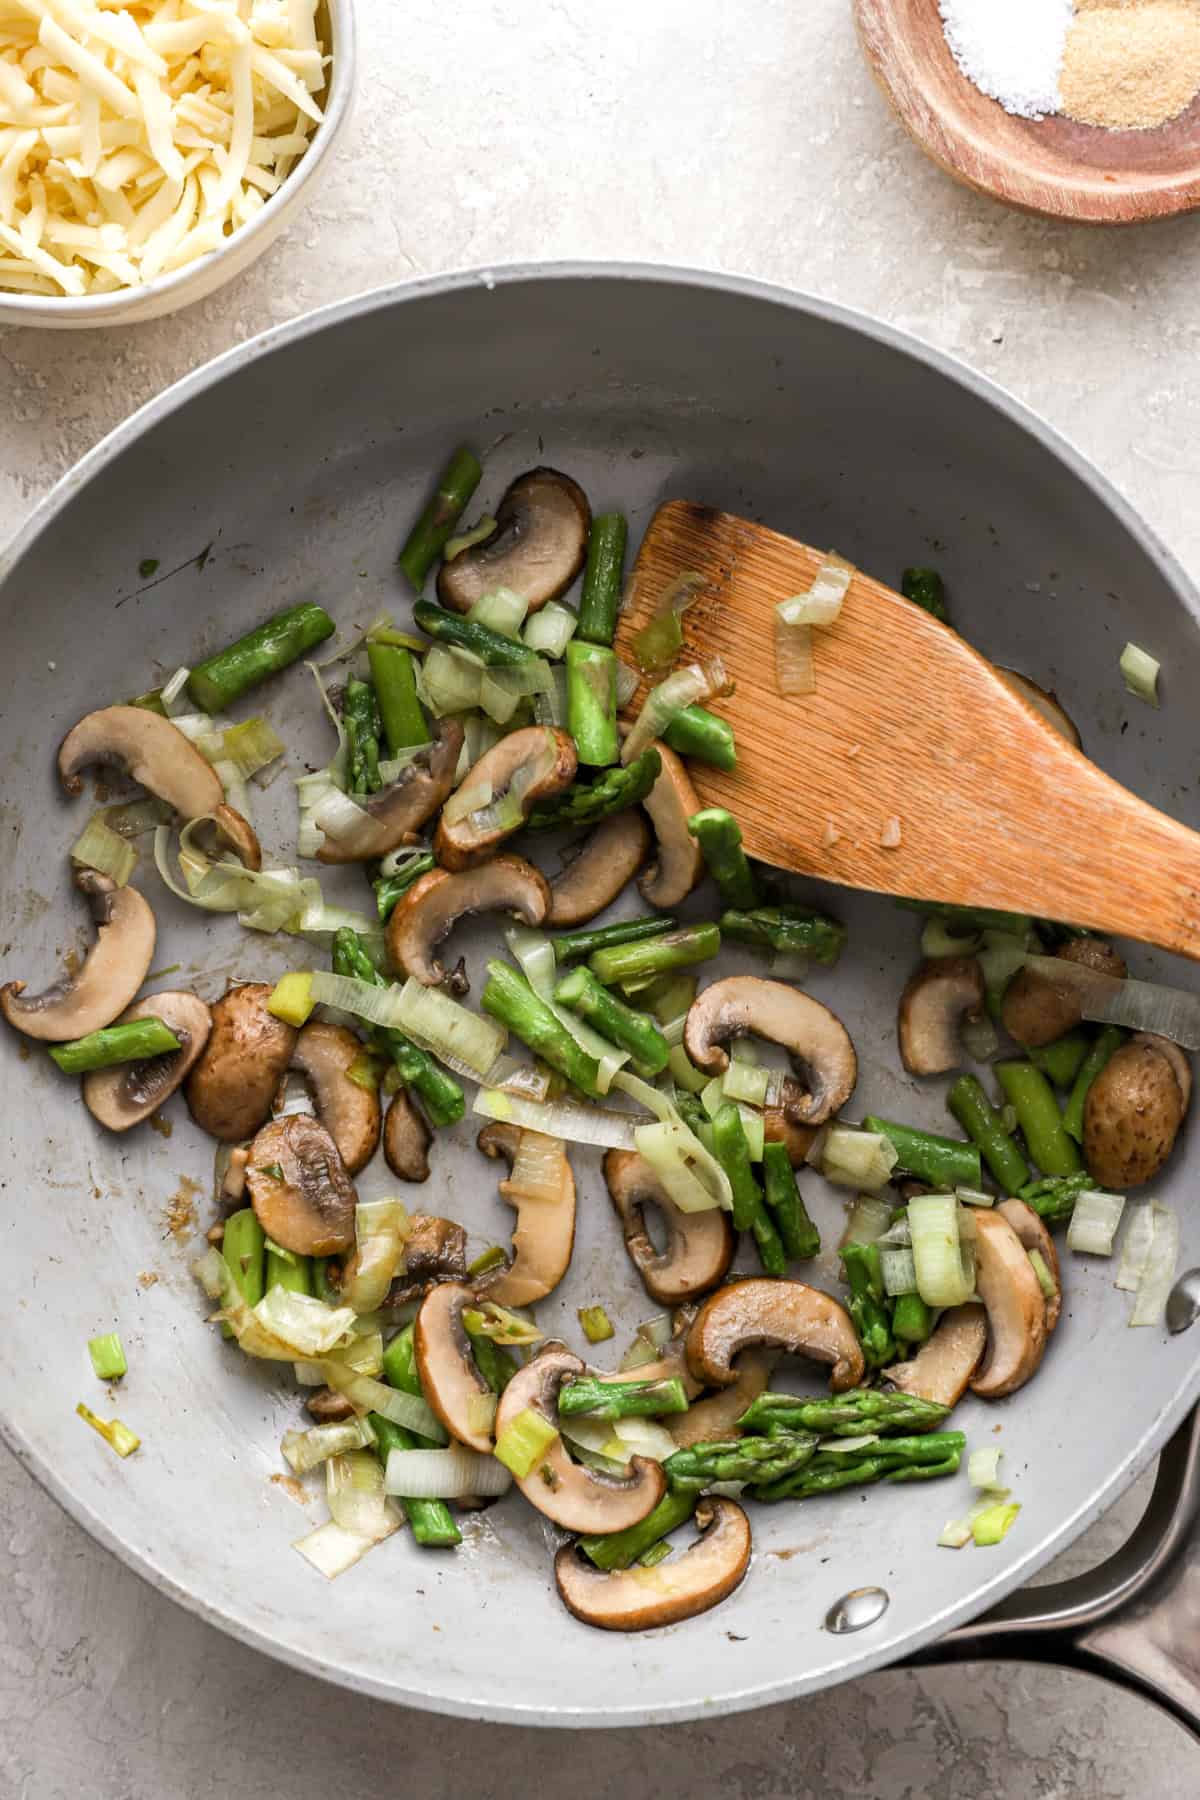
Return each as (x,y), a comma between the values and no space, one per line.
(1130,65)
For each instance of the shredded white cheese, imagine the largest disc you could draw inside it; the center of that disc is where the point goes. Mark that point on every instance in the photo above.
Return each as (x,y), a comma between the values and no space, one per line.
(135,138)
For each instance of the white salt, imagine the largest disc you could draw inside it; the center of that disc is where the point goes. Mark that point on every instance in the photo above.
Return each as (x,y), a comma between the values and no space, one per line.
(1011,49)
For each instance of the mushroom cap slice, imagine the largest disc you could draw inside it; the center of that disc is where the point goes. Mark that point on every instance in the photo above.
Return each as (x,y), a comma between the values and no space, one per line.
(1176,1056)
(789,1314)
(671,1364)
(544,1234)
(155,754)
(435,1250)
(406,1138)
(934,1003)
(1035,1235)
(125,1095)
(1016,1308)
(112,973)
(1036,1009)
(699,1246)
(679,865)
(779,1129)
(349,1112)
(391,815)
(537,549)
(249,1051)
(575,1497)
(535,762)
(1045,702)
(609,859)
(328,1407)
(432,907)
(715,1418)
(450,1378)
(302,1196)
(1131,1117)
(815,1038)
(946,1361)
(680,1588)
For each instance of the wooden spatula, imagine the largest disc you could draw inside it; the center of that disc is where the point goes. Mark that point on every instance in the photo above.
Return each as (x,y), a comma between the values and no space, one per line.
(912,733)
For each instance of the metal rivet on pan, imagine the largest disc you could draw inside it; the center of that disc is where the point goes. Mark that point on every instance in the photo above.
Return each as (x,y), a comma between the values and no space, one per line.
(1183,1302)
(857,1609)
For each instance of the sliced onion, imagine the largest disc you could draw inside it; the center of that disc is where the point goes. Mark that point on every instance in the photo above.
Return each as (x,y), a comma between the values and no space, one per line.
(945,1272)
(1094,1223)
(305,1449)
(1158,1276)
(1135,1250)
(332,1551)
(560,1118)
(689,686)
(1141,1005)
(452,1474)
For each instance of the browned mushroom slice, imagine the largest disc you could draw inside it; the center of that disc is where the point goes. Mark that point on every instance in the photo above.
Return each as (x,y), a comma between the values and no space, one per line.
(715,1418)
(112,973)
(1043,702)
(670,1364)
(125,1095)
(680,1588)
(1132,1116)
(1037,1009)
(530,764)
(406,1138)
(938,998)
(573,1496)
(435,1250)
(1034,1235)
(230,1090)
(389,817)
(1016,1308)
(699,1245)
(544,1234)
(324,1055)
(302,1196)
(799,1139)
(789,1314)
(946,1362)
(537,548)
(328,1407)
(1175,1055)
(609,859)
(450,1379)
(815,1039)
(432,907)
(679,864)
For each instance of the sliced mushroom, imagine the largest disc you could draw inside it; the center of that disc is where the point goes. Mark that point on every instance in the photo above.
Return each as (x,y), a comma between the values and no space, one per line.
(679,864)
(699,1246)
(112,973)
(715,1418)
(328,1407)
(609,859)
(231,1186)
(779,1129)
(671,1364)
(640,1599)
(432,907)
(302,1196)
(575,1497)
(544,1234)
(450,1379)
(249,1051)
(1037,1009)
(1176,1056)
(1043,702)
(324,1055)
(395,812)
(799,1319)
(406,1138)
(937,999)
(815,1039)
(435,1250)
(537,548)
(1034,1236)
(1016,1308)
(1132,1116)
(531,764)
(946,1361)
(130,1092)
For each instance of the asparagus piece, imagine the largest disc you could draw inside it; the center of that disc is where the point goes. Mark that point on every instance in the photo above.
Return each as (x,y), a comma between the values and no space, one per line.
(1028,1091)
(867,1307)
(801,1239)
(323,1287)
(966,919)
(603,578)
(697,733)
(1107,1043)
(592,702)
(720,840)
(494,1364)
(621,963)
(441,1095)
(622,1399)
(926,589)
(389,888)
(587,803)
(945,1163)
(851,1414)
(571,946)
(131,1042)
(272,646)
(396,691)
(509,998)
(243,1247)
(360,716)
(431,1520)
(286,1270)
(428,537)
(491,647)
(620,1024)
(619,1549)
(912,1320)
(1063,1059)
(894,1459)
(749,1209)
(758,1461)
(787,929)
(985,1127)
(1054,1200)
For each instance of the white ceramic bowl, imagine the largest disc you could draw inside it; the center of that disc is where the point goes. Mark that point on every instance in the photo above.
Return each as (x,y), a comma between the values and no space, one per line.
(183,287)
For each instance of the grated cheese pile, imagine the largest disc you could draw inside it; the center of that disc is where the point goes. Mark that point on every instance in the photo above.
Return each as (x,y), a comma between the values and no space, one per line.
(135,138)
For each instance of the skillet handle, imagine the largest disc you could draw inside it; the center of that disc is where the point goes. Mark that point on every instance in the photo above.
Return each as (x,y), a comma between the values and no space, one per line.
(1135,1620)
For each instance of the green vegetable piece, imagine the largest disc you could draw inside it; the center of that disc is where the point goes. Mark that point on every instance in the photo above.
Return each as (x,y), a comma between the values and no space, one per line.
(1107,1043)
(587,803)
(787,930)
(131,1042)
(596,1325)
(287,1270)
(431,1520)
(491,647)
(265,651)
(396,691)
(592,702)
(108,1356)
(965,919)
(945,1163)
(1062,1060)
(148,566)
(855,1413)
(749,1209)
(1053,1199)
(622,963)
(494,1363)
(603,578)
(593,1399)
(243,1246)
(614,1550)
(758,1461)
(389,888)
(696,733)
(1032,1098)
(720,840)
(360,716)
(925,588)
(895,1459)
(912,1320)
(440,1094)
(523,1443)
(620,1024)
(509,998)
(572,946)
(801,1239)
(985,1127)
(429,536)
(867,1308)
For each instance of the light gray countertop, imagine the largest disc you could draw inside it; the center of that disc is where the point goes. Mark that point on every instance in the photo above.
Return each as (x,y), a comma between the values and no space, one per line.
(747,138)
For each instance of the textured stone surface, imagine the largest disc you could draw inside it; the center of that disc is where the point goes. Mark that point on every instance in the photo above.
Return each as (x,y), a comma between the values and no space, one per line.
(748,138)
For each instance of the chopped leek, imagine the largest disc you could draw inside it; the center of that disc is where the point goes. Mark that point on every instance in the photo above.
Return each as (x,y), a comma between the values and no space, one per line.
(1094,1223)
(687,1169)
(1041,1269)
(559,1118)
(1139,671)
(1141,1005)
(899,1271)
(1158,1276)
(822,602)
(983,1469)
(487,1260)
(534,951)
(369,1395)
(657,643)
(451,1474)
(250,746)
(502,610)
(956,1534)
(795,672)
(108,1356)
(501,1325)
(502,690)
(105,850)
(123,1441)
(993,1524)
(465,1041)
(944,1273)
(354,1491)
(292,998)
(283,1326)
(305,1450)
(381,1227)
(1135,1251)
(742,1081)
(867,1220)
(551,630)
(524,1442)
(449,680)
(331,1550)
(974,1197)
(596,1324)
(466,540)
(857,1159)
(689,686)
